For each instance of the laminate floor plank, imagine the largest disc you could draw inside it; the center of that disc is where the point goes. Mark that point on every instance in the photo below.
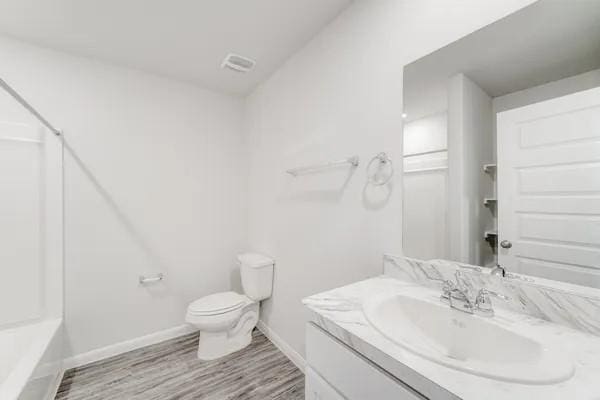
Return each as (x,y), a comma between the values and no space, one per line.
(171,371)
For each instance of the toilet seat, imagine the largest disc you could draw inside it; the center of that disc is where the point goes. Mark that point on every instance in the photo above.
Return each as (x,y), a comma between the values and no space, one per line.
(217,304)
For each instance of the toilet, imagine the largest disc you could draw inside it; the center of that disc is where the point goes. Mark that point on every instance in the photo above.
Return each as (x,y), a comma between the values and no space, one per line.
(226,320)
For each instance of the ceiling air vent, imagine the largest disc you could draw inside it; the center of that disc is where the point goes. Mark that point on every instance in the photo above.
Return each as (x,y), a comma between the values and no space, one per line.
(238,63)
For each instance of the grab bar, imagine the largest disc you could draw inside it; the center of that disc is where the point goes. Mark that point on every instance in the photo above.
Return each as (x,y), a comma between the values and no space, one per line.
(145,279)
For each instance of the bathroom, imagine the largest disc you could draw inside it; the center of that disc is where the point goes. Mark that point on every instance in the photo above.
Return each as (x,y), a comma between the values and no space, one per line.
(269,199)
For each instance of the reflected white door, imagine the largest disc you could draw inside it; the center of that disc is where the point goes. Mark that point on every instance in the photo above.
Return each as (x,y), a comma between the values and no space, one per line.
(549,188)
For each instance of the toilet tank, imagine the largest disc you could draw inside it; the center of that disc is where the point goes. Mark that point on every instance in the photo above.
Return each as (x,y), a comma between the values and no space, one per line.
(257,275)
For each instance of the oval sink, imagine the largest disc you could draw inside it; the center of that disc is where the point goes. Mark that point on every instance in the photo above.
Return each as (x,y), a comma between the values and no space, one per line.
(466,342)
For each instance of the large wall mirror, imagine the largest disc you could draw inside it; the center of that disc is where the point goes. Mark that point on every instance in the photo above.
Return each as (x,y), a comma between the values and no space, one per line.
(502,146)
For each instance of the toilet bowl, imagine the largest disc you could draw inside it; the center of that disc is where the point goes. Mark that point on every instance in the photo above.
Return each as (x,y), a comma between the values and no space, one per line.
(226,319)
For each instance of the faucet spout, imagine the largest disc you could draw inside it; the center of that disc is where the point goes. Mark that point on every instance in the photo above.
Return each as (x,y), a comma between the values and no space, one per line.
(498,270)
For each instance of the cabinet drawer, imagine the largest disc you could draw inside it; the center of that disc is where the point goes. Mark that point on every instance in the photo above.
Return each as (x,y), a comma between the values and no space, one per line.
(349,373)
(318,389)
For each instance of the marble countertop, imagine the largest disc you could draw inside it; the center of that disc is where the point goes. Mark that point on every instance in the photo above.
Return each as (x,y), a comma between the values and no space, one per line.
(339,312)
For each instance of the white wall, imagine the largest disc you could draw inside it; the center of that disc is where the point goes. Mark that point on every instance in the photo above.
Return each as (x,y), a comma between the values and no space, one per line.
(469,147)
(340,95)
(426,134)
(425,180)
(154,182)
(425,231)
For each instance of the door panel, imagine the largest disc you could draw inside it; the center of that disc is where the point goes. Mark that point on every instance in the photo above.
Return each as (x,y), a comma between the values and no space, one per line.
(577,230)
(549,188)
(561,128)
(579,177)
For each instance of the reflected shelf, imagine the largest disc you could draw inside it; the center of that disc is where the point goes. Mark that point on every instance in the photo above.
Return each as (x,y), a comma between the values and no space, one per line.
(490,202)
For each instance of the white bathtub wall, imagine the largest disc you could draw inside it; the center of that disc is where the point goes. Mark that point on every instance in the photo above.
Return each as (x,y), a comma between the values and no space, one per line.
(154,182)
(21,180)
(31,221)
(338,96)
(52,225)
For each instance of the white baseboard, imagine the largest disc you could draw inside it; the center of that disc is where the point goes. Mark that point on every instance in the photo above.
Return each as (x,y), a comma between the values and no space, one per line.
(128,345)
(285,348)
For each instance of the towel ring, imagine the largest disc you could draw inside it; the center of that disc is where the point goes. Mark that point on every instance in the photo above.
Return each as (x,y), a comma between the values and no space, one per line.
(376,178)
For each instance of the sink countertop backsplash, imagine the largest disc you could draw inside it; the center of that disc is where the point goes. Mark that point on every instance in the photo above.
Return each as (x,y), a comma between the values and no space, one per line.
(574,306)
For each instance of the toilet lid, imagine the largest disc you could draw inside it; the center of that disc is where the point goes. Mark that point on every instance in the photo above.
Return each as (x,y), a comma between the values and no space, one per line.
(218,303)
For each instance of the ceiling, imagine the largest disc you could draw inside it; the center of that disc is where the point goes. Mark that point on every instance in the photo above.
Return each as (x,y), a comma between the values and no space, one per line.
(182,39)
(544,42)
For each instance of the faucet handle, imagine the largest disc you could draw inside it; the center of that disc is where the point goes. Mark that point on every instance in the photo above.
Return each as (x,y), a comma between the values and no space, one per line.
(483,304)
(448,285)
(463,283)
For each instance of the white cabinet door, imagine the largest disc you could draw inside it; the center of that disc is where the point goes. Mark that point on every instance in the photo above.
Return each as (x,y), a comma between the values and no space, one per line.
(318,389)
(353,376)
(549,188)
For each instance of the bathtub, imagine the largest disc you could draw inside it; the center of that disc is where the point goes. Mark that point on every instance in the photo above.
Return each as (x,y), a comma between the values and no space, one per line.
(30,360)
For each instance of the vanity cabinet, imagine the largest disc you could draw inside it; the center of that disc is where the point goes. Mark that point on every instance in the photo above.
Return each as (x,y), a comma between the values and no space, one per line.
(337,372)
(318,389)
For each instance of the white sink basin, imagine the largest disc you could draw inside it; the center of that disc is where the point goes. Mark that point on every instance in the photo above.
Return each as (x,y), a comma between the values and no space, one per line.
(466,342)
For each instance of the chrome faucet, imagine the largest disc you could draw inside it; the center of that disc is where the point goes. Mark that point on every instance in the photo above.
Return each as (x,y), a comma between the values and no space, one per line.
(458,296)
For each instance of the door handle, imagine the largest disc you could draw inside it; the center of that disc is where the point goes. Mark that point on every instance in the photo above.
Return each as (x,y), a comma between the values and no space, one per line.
(505,244)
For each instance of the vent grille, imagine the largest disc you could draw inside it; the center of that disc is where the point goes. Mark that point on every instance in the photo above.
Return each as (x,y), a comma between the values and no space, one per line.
(238,63)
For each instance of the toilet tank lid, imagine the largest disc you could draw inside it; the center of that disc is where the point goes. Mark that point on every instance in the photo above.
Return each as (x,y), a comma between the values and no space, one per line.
(255,260)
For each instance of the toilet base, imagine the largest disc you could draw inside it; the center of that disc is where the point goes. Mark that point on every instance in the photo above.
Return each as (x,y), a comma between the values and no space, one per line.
(213,345)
